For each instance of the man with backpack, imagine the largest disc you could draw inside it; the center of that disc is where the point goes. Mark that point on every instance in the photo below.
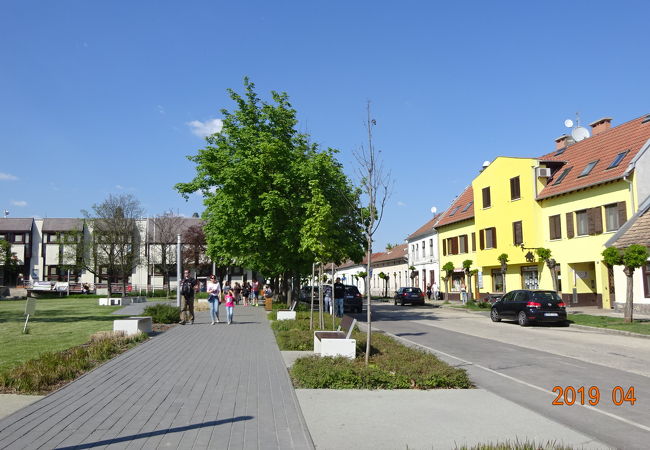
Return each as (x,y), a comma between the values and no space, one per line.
(188,287)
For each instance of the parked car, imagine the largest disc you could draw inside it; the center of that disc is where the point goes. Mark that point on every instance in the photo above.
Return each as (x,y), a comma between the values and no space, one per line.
(412,295)
(526,306)
(353,300)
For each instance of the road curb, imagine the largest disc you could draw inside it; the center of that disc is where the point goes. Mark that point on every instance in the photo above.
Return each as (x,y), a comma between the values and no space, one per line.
(573,325)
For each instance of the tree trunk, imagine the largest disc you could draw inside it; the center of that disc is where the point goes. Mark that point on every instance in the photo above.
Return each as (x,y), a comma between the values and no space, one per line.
(629,298)
(321,318)
(311,299)
(369,320)
(504,269)
(290,290)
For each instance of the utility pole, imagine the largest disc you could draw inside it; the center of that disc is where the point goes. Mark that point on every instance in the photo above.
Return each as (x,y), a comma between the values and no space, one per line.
(178,270)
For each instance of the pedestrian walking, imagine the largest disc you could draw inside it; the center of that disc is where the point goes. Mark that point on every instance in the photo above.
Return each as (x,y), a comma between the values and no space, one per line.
(436,292)
(339,296)
(188,288)
(246,292)
(230,305)
(327,292)
(214,290)
(237,292)
(428,291)
(255,292)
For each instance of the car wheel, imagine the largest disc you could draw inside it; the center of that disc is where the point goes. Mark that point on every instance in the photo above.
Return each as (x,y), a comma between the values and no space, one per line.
(494,315)
(522,319)
(402,303)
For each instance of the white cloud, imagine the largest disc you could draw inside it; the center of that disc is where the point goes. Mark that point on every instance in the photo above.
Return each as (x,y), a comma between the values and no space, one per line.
(401,204)
(161,110)
(7,177)
(119,187)
(203,129)
(19,202)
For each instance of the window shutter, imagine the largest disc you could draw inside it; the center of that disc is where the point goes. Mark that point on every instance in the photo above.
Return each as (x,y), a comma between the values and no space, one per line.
(473,242)
(454,246)
(514,188)
(481,235)
(494,237)
(622,213)
(520,227)
(591,221)
(570,232)
(466,244)
(551,226)
(598,220)
(486,197)
(444,247)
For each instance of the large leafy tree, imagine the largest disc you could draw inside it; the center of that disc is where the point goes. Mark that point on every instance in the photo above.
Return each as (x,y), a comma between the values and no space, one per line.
(274,201)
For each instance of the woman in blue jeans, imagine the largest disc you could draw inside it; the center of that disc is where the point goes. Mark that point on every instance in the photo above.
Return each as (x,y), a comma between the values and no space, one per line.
(214,289)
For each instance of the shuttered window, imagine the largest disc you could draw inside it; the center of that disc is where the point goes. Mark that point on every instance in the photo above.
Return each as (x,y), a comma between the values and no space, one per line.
(622,213)
(582,223)
(473,242)
(613,215)
(490,238)
(444,247)
(454,245)
(555,227)
(515,193)
(570,232)
(462,242)
(487,201)
(517,233)
(481,238)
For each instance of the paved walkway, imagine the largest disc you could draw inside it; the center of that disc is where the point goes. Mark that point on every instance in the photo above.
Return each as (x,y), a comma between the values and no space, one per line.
(194,386)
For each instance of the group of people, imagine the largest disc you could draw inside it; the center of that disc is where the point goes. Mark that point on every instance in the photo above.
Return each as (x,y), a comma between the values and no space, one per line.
(433,290)
(339,298)
(228,295)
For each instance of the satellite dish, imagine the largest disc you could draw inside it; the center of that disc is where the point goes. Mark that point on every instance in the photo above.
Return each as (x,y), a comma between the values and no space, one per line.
(485,164)
(434,210)
(568,123)
(579,133)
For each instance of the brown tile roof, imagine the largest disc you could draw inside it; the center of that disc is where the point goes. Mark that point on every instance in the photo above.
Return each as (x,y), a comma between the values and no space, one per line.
(397,252)
(11,224)
(604,147)
(426,228)
(456,212)
(634,231)
(51,224)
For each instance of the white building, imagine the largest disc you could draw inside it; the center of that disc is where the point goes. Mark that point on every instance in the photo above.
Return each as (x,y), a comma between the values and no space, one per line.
(424,256)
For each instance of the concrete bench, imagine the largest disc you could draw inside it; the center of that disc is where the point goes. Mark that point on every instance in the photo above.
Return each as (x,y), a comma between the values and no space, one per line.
(114,301)
(287,314)
(337,343)
(133,325)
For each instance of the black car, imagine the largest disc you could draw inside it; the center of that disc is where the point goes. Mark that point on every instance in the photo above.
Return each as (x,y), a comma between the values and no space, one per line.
(353,300)
(526,306)
(412,295)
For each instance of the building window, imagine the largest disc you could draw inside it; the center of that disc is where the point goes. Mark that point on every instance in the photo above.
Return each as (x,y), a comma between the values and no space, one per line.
(646,280)
(3,237)
(515,192)
(588,168)
(617,160)
(497,280)
(431,248)
(555,227)
(417,249)
(582,223)
(424,248)
(462,244)
(487,201)
(467,206)
(473,242)
(52,238)
(517,233)
(488,238)
(611,217)
(19,238)
(562,176)
(453,211)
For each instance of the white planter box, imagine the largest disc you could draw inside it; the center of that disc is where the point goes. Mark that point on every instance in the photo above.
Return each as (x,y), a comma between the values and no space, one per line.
(133,325)
(335,347)
(114,301)
(286,315)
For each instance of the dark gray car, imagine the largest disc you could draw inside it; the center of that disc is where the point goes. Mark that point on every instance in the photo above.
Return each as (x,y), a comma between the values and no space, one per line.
(526,306)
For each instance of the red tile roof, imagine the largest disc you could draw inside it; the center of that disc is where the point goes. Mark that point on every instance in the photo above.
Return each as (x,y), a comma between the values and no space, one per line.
(603,147)
(456,212)
(426,228)
(397,252)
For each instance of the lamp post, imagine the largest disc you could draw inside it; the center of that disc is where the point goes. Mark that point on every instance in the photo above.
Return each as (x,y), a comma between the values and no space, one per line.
(178,270)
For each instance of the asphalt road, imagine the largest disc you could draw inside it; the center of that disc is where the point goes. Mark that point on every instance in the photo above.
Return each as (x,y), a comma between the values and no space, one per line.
(525,364)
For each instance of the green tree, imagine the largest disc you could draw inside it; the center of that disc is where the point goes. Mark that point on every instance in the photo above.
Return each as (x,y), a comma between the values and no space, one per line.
(631,258)
(8,263)
(503,260)
(544,255)
(448,268)
(274,202)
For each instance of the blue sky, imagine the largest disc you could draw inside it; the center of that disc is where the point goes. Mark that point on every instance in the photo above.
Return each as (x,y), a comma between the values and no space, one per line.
(100,97)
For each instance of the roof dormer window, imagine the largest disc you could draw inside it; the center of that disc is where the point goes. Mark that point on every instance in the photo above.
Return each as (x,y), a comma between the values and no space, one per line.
(562,176)
(588,168)
(617,160)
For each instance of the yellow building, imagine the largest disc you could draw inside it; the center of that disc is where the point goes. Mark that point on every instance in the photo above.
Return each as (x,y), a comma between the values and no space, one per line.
(569,201)
(457,242)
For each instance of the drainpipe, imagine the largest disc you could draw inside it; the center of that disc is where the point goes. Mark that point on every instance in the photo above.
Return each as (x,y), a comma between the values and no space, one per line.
(631,191)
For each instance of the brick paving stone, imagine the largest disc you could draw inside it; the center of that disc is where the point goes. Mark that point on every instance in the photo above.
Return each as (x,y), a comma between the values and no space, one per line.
(195,386)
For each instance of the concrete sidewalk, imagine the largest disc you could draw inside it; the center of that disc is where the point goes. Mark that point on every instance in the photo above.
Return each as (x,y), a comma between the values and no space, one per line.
(194,386)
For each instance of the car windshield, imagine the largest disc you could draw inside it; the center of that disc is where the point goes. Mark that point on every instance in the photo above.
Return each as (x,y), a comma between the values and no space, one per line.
(546,296)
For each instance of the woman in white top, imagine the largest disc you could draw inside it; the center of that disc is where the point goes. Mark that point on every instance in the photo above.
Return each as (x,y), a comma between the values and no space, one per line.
(214,289)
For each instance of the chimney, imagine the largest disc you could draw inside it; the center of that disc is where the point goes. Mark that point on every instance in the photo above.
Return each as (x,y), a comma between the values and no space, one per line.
(561,142)
(600,125)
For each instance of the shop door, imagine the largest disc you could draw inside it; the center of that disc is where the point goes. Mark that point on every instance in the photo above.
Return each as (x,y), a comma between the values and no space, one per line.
(530,278)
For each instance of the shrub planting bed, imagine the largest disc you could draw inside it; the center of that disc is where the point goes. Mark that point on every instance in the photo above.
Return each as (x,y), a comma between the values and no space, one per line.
(392,365)
(162,313)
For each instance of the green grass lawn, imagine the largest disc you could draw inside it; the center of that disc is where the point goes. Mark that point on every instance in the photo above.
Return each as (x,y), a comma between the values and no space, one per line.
(59,323)
(642,327)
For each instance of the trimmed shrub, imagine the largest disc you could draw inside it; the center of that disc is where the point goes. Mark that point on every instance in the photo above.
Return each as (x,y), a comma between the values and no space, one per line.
(163,313)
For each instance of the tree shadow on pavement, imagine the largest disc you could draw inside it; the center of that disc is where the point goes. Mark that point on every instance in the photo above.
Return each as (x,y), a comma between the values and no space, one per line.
(132,437)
